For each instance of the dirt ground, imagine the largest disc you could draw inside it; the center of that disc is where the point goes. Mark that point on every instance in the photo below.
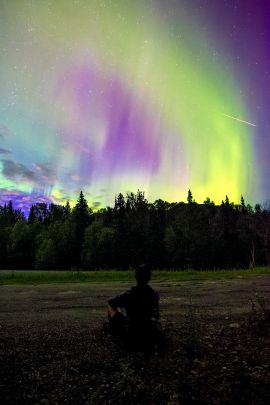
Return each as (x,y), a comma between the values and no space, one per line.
(53,349)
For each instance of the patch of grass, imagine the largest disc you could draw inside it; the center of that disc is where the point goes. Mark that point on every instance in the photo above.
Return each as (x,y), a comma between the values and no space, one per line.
(189,275)
(39,277)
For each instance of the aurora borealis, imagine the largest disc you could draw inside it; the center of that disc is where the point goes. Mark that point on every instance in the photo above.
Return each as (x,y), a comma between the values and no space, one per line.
(115,96)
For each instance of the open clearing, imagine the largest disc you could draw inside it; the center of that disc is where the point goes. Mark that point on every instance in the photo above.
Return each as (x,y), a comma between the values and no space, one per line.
(53,349)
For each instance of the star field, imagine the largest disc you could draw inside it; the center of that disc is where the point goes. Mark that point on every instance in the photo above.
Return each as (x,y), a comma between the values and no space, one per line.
(112,97)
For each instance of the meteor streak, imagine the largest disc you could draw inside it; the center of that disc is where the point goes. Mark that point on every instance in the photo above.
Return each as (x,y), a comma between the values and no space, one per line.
(238,119)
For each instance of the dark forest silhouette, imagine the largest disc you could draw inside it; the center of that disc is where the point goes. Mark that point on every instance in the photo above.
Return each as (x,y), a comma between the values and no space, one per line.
(164,235)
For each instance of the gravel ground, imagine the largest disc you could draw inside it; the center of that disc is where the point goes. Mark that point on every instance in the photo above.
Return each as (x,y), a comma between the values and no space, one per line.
(53,349)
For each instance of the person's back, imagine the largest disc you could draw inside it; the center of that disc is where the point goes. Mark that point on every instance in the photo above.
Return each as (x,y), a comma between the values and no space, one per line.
(142,305)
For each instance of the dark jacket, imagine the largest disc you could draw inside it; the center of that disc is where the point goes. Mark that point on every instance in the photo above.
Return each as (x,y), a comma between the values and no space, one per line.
(141,304)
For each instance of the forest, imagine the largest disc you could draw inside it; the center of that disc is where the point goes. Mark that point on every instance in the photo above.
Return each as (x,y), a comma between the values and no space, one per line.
(184,235)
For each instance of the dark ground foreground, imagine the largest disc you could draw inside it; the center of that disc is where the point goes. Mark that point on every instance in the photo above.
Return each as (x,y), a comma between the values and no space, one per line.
(53,349)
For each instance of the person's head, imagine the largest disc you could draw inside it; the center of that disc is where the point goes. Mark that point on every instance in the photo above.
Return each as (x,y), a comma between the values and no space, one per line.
(143,274)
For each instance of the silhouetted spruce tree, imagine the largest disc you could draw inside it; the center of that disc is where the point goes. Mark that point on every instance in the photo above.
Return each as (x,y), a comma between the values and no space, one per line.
(138,224)
(243,205)
(188,231)
(81,212)
(10,213)
(190,197)
(258,208)
(155,244)
(81,217)
(122,231)
(67,209)
(32,215)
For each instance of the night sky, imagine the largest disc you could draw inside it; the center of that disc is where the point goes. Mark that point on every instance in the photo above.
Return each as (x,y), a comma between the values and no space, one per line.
(115,96)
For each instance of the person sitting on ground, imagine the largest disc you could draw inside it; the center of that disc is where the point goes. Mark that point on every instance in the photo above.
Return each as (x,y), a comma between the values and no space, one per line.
(139,324)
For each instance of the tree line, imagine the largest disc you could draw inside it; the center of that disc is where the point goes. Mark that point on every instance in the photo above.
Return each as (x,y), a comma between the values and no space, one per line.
(164,235)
